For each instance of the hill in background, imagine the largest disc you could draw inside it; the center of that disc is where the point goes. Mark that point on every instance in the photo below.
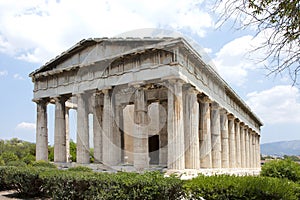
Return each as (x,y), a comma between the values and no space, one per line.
(281,148)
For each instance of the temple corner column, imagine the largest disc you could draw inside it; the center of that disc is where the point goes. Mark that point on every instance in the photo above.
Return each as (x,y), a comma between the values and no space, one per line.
(176,159)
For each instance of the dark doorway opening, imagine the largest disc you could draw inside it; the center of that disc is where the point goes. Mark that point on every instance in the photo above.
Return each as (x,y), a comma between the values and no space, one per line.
(153,146)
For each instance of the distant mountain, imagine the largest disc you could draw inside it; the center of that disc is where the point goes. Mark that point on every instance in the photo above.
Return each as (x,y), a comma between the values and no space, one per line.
(281,148)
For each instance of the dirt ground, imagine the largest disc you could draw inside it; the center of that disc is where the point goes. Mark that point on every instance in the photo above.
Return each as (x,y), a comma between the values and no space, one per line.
(12,195)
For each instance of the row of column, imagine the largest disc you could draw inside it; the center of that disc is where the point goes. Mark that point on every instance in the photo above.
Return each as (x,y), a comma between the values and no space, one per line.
(212,137)
(200,134)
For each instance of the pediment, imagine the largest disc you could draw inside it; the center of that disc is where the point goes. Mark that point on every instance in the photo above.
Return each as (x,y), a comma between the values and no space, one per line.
(93,50)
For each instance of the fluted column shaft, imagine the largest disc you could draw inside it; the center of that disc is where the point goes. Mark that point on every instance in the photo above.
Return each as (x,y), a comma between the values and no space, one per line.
(232,139)
(97,129)
(141,153)
(107,130)
(176,158)
(191,129)
(83,146)
(252,155)
(238,145)
(258,151)
(68,134)
(163,133)
(118,131)
(247,147)
(224,138)
(243,146)
(41,131)
(216,136)
(60,152)
(205,134)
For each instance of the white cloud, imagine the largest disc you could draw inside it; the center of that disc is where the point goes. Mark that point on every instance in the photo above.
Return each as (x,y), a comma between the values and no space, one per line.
(3,73)
(26,126)
(37,30)
(18,76)
(280,104)
(236,58)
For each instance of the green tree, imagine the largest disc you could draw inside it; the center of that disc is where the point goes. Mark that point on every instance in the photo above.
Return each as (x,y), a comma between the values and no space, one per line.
(285,168)
(73,148)
(281,19)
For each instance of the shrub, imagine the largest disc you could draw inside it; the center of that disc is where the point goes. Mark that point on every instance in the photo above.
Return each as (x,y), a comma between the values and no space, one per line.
(42,163)
(8,157)
(282,169)
(29,159)
(80,169)
(18,163)
(4,171)
(248,187)
(91,185)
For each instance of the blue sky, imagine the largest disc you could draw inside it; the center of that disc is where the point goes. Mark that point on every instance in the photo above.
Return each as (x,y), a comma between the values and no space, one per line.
(34,31)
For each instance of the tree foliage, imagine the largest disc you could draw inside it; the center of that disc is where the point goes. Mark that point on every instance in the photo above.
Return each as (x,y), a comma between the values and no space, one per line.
(280,20)
(16,151)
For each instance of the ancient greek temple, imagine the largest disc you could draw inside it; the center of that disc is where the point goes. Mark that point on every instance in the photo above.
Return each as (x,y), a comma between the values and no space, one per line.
(153,101)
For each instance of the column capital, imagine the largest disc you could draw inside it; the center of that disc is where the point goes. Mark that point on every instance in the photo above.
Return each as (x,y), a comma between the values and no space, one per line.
(223,111)
(61,99)
(205,99)
(215,106)
(230,116)
(41,100)
(242,124)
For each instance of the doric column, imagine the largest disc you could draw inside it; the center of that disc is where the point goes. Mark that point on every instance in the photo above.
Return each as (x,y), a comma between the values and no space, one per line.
(205,133)
(83,147)
(232,139)
(253,155)
(60,151)
(191,129)
(97,128)
(68,134)
(108,129)
(258,151)
(163,133)
(254,149)
(41,131)
(118,130)
(243,145)
(215,135)
(175,126)
(141,152)
(224,138)
(238,144)
(247,147)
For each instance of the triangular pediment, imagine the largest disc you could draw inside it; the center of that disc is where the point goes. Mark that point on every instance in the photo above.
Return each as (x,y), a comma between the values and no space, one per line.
(94,50)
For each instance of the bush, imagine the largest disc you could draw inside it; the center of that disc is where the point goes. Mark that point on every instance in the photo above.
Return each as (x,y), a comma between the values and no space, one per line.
(248,187)
(8,157)
(282,169)
(17,163)
(80,169)
(91,185)
(25,180)
(29,159)
(4,171)
(45,164)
